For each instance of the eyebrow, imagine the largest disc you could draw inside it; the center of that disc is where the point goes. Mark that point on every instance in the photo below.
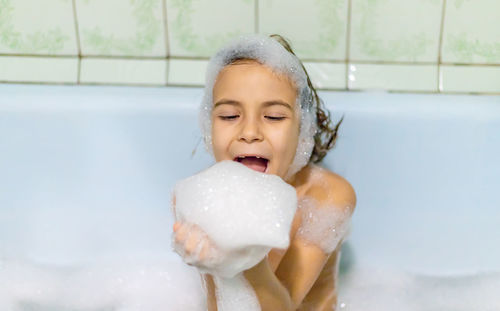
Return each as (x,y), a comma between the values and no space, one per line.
(265,104)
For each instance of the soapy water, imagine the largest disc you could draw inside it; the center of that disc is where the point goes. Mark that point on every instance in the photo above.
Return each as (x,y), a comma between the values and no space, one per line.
(103,286)
(371,288)
(155,282)
(172,285)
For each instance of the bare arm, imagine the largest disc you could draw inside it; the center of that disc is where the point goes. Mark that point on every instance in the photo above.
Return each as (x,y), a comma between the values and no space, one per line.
(304,261)
(300,268)
(272,295)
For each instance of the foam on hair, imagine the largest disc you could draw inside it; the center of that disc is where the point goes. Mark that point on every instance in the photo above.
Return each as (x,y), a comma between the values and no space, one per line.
(271,53)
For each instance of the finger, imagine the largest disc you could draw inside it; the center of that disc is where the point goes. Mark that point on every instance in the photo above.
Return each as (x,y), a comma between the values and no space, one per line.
(204,250)
(177,247)
(177,225)
(198,252)
(181,234)
(192,241)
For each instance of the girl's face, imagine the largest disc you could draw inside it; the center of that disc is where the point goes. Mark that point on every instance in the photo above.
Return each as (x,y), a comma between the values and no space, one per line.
(254,119)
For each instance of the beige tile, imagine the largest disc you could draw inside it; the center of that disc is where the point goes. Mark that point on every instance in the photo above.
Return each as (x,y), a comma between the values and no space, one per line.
(123,71)
(38,69)
(472,32)
(470,79)
(327,75)
(395,30)
(37,27)
(187,72)
(120,27)
(393,77)
(199,28)
(316,29)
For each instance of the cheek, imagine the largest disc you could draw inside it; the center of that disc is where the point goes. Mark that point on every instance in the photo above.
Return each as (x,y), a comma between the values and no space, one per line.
(219,140)
(287,141)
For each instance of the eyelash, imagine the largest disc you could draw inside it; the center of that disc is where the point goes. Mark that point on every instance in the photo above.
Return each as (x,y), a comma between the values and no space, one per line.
(230,118)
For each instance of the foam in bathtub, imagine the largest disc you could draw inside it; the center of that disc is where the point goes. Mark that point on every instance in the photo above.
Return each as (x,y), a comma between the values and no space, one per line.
(244,212)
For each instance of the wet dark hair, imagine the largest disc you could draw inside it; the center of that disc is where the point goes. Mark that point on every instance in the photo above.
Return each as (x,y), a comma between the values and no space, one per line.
(326,136)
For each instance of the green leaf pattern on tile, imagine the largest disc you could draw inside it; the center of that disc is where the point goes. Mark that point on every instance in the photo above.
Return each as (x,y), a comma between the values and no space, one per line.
(149,30)
(410,47)
(201,45)
(466,50)
(50,41)
(332,29)
(459,3)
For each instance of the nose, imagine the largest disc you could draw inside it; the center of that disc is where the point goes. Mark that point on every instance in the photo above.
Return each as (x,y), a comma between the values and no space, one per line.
(250,131)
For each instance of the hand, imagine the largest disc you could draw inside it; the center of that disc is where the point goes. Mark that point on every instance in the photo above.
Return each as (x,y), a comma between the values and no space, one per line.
(193,245)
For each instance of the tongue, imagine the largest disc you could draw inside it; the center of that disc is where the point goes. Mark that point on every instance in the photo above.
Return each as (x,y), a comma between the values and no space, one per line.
(255,163)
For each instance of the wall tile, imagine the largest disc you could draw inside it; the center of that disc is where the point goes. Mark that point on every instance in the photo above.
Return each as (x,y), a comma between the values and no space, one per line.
(37,27)
(393,77)
(316,28)
(472,32)
(200,27)
(470,79)
(395,30)
(38,69)
(187,72)
(121,27)
(326,75)
(123,71)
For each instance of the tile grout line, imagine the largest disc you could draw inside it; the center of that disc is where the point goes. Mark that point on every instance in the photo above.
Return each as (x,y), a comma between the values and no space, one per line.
(440,48)
(348,44)
(308,60)
(201,86)
(166,38)
(78,45)
(256,16)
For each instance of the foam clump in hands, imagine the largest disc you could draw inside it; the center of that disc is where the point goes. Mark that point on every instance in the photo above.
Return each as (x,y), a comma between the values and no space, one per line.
(237,213)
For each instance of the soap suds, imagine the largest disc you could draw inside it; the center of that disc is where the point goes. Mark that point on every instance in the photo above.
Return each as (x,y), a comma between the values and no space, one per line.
(114,285)
(245,214)
(323,225)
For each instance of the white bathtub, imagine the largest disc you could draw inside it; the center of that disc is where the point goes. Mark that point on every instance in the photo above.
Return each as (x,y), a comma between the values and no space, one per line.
(86,174)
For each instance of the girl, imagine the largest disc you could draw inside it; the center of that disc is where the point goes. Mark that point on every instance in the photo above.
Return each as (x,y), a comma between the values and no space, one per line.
(261,109)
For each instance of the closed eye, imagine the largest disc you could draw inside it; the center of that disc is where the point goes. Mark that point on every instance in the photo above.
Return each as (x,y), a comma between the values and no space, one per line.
(275,118)
(228,117)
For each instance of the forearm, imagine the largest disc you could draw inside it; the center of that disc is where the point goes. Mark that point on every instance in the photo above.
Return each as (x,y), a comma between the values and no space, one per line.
(271,293)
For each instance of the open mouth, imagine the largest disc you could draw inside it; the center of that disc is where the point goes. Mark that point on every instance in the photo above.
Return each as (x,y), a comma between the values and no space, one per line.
(256,163)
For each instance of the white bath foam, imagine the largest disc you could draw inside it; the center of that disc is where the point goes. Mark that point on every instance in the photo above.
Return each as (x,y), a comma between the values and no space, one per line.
(323,225)
(377,289)
(235,294)
(244,212)
(119,286)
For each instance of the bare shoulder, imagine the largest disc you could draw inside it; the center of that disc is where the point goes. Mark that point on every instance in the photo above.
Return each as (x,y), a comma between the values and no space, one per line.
(330,188)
